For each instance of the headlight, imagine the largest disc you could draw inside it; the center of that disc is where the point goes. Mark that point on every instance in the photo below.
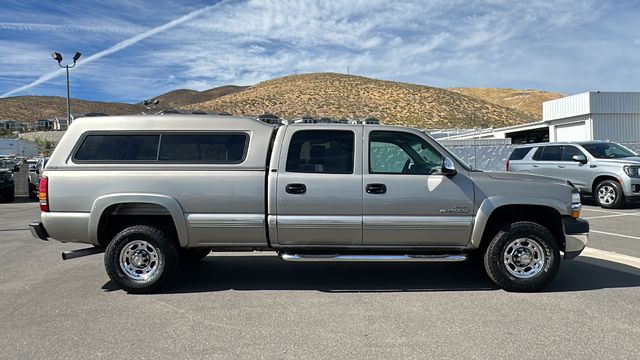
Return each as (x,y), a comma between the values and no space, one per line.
(575,198)
(633,171)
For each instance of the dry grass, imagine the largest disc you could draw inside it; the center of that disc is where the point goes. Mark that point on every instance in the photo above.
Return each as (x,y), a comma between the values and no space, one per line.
(346,96)
(31,108)
(526,101)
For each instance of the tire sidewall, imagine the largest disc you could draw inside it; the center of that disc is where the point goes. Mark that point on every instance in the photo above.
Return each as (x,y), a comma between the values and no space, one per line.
(619,194)
(167,258)
(497,270)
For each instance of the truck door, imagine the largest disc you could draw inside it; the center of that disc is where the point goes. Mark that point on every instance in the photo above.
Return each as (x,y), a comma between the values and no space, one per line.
(406,199)
(318,187)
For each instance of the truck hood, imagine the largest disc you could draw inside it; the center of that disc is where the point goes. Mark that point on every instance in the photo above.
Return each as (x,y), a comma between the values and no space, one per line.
(513,176)
(635,160)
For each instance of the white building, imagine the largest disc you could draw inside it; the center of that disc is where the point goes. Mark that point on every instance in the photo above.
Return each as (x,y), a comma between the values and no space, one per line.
(613,116)
(18,147)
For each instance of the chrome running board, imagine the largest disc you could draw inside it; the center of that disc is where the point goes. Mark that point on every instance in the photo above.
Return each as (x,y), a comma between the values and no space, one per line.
(376,258)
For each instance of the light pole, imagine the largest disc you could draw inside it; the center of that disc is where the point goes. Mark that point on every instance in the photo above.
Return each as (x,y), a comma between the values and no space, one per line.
(58,57)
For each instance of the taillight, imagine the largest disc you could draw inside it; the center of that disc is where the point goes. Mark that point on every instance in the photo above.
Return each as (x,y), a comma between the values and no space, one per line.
(43,194)
(507,165)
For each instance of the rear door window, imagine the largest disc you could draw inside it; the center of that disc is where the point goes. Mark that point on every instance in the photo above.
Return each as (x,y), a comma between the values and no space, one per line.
(118,148)
(519,153)
(551,153)
(321,151)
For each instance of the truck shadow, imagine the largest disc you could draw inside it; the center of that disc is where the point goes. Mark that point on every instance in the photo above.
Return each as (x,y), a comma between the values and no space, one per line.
(221,273)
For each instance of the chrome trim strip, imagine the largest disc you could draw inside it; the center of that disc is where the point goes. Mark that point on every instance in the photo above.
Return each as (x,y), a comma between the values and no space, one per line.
(375,222)
(373,258)
(315,222)
(225,220)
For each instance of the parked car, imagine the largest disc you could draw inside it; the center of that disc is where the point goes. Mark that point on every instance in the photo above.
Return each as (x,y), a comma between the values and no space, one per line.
(152,191)
(7,185)
(35,172)
(606,170)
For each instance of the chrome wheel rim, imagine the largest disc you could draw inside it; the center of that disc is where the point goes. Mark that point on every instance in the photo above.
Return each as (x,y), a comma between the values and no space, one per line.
(139,260)
(524,258)
(607,195)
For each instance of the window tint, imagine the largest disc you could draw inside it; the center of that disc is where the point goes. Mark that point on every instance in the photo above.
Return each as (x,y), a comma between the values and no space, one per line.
(519,153)
(395,152)
(536,156)
(608,150)
(118,148)
(569,152)
(321,151)
(551,153)
(212,148)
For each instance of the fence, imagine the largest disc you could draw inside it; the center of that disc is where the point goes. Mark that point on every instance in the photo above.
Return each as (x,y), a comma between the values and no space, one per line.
(494,157)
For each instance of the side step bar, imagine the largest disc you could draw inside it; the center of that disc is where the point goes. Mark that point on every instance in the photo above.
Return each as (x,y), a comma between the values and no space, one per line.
(373,258)
(72,254)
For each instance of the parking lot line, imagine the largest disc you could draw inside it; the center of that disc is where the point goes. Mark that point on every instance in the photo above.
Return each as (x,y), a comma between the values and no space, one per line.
(627,260)
(614,234)
(605,216)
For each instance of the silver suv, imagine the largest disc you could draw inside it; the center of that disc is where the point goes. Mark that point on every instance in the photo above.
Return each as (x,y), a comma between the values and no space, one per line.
(606,170)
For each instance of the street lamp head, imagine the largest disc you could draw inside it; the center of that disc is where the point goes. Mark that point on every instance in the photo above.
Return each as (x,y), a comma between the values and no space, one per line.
(56,56)
(76,57)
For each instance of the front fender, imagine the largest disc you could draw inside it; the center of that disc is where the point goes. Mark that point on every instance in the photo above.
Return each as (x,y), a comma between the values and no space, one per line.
(169,203)
(490,204)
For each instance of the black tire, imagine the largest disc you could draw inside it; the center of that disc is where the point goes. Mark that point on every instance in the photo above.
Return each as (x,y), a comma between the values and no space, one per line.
(33,195)
(501,244)
(10,195)
(612,189)
(193,256)
(164,248)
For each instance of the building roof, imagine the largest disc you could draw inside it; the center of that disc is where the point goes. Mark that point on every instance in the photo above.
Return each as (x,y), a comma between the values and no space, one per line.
(597,102)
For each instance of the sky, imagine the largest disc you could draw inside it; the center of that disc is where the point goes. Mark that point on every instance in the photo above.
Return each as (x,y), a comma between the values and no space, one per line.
(134,50)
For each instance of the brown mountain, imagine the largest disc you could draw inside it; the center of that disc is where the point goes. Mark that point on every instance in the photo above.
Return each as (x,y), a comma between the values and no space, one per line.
(31,108)
(183,97)
(526,101)
(337,96)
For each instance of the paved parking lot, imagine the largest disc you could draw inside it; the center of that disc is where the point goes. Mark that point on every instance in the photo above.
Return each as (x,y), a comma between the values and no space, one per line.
(258,307)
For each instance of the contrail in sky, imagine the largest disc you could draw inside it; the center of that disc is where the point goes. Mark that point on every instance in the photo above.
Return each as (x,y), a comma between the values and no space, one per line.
(117,47)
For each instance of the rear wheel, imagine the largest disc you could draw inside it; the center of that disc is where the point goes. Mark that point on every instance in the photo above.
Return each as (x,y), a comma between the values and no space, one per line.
(609,194)
(141,259)
(9,195)
(522,256)
(33,195)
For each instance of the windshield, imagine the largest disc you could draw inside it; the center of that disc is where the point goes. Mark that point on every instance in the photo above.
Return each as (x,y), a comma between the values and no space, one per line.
(608,151)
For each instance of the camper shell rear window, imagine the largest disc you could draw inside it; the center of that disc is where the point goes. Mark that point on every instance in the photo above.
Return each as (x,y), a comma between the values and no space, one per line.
(209,148)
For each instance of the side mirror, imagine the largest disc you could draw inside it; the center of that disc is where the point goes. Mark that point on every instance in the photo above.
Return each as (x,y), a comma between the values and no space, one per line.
(448,168)
(579,158)
(16,168)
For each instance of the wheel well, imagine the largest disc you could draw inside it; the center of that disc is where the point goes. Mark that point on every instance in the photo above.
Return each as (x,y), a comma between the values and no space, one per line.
(599,179)
(117,217)
(543,215)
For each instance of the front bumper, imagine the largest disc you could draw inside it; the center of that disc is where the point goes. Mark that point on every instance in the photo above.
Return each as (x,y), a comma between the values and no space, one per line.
(576,236)
(38,231)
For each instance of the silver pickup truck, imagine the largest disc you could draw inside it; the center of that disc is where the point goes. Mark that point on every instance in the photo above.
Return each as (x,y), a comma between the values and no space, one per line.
(154,191)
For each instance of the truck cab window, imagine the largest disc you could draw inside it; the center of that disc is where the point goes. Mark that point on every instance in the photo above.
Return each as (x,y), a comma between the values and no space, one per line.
(321,151)
(395,152)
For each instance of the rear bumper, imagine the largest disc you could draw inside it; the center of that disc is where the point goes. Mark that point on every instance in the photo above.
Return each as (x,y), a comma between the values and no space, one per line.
(38,231)
(576,236)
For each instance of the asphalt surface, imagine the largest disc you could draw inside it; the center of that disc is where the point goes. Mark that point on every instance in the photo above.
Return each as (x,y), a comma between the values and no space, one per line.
(238,306)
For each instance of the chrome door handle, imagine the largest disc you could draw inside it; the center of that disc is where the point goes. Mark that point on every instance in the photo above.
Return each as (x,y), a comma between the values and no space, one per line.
(561,166)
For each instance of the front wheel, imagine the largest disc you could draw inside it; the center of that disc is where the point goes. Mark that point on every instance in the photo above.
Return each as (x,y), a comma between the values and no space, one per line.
(522,256)
(141,259)
(609,194)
